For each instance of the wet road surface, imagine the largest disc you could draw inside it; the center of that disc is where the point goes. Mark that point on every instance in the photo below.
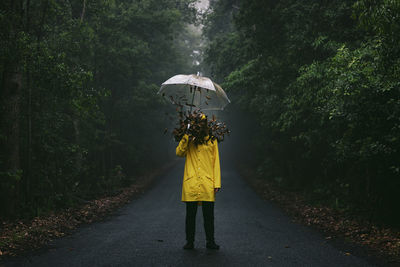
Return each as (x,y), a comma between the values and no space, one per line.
(150,232)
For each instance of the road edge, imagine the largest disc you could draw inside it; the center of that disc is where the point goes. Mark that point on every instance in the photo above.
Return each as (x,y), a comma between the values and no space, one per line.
(20,238)
(347,244)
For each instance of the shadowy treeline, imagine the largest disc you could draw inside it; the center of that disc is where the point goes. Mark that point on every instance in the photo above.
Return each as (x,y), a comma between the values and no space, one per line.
(321,81)
(79,112)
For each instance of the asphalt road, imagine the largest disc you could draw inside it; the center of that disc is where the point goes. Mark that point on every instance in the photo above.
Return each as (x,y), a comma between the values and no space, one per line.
(150,232)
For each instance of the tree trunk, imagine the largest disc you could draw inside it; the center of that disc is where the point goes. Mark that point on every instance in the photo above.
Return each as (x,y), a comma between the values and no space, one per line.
(10,129)
(79,156)
(83,10)
(12,81)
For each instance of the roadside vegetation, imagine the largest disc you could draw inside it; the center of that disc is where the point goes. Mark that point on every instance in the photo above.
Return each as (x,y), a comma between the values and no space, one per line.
(320,79)
(80,117)
(317,87)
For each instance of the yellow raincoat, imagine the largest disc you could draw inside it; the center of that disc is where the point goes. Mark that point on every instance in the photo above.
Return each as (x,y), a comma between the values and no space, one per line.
(202,170)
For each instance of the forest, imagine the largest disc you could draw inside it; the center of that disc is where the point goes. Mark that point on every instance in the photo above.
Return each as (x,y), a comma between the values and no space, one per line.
(80,117)
(320,80)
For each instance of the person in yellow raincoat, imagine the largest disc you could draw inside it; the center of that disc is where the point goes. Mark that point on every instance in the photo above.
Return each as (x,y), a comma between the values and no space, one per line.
(201,181)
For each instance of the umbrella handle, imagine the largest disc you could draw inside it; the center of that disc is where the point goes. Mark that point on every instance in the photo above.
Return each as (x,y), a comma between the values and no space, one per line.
(187,128)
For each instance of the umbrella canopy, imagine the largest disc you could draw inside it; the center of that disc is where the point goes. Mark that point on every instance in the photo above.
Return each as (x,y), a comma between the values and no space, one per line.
(194,91)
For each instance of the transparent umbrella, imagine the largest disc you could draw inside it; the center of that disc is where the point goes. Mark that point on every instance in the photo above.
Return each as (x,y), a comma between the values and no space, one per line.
(194,91)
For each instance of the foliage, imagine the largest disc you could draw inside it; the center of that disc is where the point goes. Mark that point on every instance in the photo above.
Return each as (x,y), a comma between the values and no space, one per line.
(322,80)
(199,128)
(85,96)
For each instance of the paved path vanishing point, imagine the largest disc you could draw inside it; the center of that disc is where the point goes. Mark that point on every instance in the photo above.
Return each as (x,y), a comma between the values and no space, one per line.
(149,231)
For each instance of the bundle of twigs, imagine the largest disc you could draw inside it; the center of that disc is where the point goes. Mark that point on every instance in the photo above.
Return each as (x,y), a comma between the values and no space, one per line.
(198,133)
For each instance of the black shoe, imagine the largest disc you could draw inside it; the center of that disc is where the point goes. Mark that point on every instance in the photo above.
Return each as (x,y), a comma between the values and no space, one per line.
(189,245)
(212,245)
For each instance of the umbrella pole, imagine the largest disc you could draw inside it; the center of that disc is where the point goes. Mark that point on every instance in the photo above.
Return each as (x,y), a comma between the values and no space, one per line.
(194,91)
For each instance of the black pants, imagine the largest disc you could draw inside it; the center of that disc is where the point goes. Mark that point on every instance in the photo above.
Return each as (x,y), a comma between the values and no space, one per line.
(208,217)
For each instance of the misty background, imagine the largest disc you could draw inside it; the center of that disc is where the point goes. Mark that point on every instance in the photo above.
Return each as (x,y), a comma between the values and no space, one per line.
(314,90)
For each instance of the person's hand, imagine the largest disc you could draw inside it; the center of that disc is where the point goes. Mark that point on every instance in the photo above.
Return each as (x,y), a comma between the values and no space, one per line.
(185,138)
(216,190)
